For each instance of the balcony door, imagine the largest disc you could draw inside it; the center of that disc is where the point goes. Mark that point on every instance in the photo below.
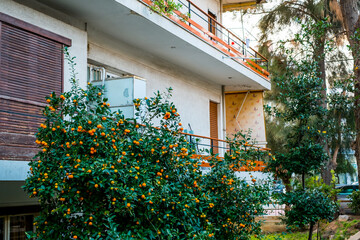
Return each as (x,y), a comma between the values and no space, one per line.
(212,23)
(214,130)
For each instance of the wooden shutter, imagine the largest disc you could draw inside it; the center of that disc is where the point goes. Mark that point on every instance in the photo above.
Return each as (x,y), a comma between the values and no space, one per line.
(214,124)
(31,67)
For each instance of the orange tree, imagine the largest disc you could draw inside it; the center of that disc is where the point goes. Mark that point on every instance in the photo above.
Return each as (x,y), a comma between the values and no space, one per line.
(101,176)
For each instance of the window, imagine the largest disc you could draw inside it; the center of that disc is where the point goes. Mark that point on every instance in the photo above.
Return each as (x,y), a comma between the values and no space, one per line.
(31,67)
(2,228)
(212,22)
(14,227)
(95,73)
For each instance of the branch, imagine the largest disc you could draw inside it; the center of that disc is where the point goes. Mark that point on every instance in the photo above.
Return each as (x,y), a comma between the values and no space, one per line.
(301,10)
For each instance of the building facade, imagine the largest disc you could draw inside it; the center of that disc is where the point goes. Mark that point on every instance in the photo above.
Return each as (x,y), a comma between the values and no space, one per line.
(217,79)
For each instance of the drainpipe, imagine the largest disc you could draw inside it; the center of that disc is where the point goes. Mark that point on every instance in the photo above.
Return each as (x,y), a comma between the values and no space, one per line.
(223,111)
(221,11)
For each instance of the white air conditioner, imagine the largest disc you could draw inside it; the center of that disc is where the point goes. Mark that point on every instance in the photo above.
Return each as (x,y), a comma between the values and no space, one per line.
(121,92)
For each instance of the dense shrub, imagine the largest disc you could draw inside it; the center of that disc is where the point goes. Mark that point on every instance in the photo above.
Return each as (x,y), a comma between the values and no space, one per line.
(100,176)
(307,207)
(355,202)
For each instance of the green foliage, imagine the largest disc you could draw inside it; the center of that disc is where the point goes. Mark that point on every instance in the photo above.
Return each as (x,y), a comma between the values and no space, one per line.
(303,54)
(166,7)
(307,158)
(100,176)
(316,182)
(287,14)
(344,164)
(299,92)
(308,206)
(299,106)
(346,230)
(285,236)
(355,202)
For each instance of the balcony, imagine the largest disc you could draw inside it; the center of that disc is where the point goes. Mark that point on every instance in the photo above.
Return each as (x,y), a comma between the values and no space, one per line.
(230,5)
(132,29)
(205,26)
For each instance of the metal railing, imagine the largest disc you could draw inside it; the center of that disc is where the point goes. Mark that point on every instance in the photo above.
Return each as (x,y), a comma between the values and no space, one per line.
(204,144)
(207,145)
(276,209)
(197,21)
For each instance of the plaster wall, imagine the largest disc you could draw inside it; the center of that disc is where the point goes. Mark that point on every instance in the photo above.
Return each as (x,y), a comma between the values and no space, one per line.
(191,94)
(245,111)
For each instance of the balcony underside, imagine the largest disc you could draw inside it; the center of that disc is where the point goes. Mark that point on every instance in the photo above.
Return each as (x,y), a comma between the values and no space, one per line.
(231,5)
(133,24)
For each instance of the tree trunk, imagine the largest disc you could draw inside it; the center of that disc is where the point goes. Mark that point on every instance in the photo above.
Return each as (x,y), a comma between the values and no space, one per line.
(311,231)
(357,122)
(351,18)
(287,183)
(303,180)
(320,58)
(288,188)
(330,165)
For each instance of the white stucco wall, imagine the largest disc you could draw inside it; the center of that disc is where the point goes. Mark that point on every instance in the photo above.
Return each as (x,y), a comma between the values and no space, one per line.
(191,94)
(210,5)
(206,5)
(77,36)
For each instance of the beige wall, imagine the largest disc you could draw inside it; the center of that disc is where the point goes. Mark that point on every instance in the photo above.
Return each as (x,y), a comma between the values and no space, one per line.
(245,111)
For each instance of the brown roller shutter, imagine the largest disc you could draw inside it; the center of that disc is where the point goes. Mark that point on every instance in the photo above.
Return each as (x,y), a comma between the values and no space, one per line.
(214,125)
(31,67)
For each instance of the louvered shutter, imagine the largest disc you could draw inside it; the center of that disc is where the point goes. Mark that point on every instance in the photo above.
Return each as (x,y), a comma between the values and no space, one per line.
(214,124)
(31,67)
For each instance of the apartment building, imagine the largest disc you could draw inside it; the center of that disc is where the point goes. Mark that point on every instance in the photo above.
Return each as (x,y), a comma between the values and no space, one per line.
(217,79)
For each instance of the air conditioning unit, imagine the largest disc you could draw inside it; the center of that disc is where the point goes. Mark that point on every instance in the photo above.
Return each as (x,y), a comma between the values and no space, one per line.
(121,92)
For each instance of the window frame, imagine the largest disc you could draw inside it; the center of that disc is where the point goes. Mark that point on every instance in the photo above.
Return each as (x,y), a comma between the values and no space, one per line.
(7,222)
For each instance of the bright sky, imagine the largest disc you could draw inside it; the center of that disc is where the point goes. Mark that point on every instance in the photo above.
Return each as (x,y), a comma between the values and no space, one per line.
(236,22)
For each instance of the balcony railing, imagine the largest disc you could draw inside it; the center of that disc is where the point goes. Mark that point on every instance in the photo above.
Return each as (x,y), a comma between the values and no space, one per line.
(207,145)
(205,26)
